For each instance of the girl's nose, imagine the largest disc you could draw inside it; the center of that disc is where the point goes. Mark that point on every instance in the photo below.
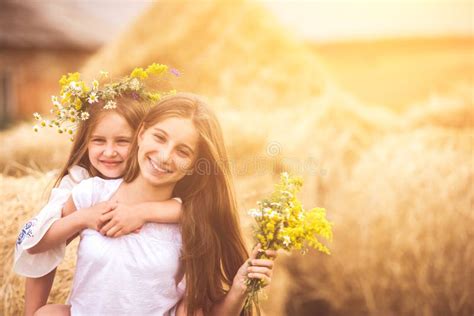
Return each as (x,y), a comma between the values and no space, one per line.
(110,151)
(165,154)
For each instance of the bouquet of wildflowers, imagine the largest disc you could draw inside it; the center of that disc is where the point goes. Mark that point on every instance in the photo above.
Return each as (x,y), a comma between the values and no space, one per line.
(282,223)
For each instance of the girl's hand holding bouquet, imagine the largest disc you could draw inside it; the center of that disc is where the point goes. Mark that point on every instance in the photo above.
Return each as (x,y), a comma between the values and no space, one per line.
(259,269)
(282,223)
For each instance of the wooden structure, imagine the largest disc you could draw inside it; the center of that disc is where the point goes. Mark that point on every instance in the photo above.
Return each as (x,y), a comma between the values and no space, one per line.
(39,41)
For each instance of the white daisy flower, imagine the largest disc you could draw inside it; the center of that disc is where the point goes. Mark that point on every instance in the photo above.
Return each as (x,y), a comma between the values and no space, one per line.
(286,240)
(110,105)
(272,214)
(93,98)
(110,92)
(84,116)
(255,213)
(62,113)
(134,84)
(55,101)
(267,210)
(37,116)
(75,87)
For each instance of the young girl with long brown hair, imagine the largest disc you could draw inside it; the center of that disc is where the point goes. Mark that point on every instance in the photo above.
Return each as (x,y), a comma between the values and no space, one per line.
(214,252)
(175,140)
(100,148)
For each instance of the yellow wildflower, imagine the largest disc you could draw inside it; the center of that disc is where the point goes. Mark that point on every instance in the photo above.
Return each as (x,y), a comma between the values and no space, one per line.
(154,96)
(139,73)
(104,74)
(95,85)
(156,69)
(78,104)
(66,79)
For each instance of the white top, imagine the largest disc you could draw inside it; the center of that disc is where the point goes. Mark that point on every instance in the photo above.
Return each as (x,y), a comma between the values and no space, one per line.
(32,232)
(129,275)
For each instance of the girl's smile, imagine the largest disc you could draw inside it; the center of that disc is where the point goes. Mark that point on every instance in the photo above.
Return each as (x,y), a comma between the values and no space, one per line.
(158,168)
(110,163)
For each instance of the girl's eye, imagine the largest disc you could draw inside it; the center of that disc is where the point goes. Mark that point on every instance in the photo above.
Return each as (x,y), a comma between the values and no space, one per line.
(97,140)
(183,153)
(123,141)
(159,138)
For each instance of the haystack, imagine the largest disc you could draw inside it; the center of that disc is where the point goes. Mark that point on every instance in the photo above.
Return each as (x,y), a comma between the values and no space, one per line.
(235,50)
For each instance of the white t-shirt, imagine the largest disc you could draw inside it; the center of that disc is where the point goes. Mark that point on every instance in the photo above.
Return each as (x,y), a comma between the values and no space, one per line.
(129,275)
(32,232)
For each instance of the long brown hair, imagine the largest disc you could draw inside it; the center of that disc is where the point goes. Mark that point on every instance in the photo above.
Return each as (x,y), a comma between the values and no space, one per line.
(129,108)
(213,247)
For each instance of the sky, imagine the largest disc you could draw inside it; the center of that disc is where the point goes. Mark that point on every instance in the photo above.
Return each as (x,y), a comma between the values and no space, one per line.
(335,20)
(339,20)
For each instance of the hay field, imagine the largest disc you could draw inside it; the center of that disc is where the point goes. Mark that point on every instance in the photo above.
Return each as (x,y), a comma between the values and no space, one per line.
(398,72)
(397,184)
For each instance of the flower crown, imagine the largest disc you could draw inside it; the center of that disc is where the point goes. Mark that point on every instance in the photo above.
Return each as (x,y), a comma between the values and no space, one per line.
(76,97)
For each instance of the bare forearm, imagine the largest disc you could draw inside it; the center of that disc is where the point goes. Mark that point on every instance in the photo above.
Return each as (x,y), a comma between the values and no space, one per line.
(231,304)
(168,212)
(37,291)
(61,230)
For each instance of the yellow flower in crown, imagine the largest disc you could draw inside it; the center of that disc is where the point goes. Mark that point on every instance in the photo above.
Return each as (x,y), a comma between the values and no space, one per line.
(76,98)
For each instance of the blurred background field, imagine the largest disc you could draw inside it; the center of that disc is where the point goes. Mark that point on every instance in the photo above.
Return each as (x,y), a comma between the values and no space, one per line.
(381,128)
